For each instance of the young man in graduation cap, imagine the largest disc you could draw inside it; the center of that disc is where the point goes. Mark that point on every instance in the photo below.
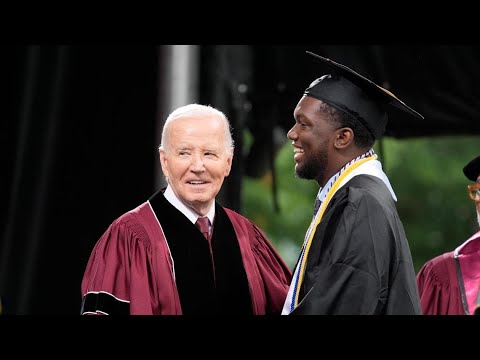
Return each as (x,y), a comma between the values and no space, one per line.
(355,257)
(449,283)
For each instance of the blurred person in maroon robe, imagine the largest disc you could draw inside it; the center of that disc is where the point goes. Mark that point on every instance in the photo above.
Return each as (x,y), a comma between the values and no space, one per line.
(153,260)
(449,283)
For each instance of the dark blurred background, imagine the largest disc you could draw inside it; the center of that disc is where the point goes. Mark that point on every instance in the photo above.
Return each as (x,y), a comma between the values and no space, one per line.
(81,125)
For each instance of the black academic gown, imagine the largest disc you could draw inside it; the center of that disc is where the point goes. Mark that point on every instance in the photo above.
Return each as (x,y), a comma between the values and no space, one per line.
(359,260)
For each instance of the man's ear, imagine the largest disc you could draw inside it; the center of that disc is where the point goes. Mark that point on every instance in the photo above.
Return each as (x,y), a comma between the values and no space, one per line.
(163,162)
(343,137)
(229,162)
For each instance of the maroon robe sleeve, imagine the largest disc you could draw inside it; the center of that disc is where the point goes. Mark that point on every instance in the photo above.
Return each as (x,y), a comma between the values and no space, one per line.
(438,287)
(119,269)
(268,275)
(275,273)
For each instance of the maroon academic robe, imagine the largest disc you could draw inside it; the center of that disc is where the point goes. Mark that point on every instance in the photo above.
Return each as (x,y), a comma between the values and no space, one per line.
(131,269)
(449,283)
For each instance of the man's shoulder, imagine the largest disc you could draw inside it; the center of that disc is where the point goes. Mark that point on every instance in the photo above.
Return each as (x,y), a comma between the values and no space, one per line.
(238,219)
(371,190)
(369,183)
(230,211)
(232,214)
(134,216)
(438,266)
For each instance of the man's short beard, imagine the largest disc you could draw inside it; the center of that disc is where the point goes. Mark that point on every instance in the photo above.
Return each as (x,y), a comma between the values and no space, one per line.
(308,172)
(313,168)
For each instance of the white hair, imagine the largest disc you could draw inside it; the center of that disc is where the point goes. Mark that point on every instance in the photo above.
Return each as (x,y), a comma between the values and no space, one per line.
(196,110)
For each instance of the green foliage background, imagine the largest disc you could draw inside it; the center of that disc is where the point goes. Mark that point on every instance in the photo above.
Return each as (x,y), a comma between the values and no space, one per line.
(426,175)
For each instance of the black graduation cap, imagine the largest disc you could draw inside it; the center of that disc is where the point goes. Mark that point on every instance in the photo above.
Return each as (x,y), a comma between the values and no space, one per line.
(472,169)
(354,94)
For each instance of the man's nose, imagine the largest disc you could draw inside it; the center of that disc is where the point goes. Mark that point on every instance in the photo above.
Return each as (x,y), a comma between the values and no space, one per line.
(197,163)
(292,134)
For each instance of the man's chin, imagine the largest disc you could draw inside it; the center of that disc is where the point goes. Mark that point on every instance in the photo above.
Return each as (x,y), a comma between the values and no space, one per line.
(197,203)
(303,175)
(299,172)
